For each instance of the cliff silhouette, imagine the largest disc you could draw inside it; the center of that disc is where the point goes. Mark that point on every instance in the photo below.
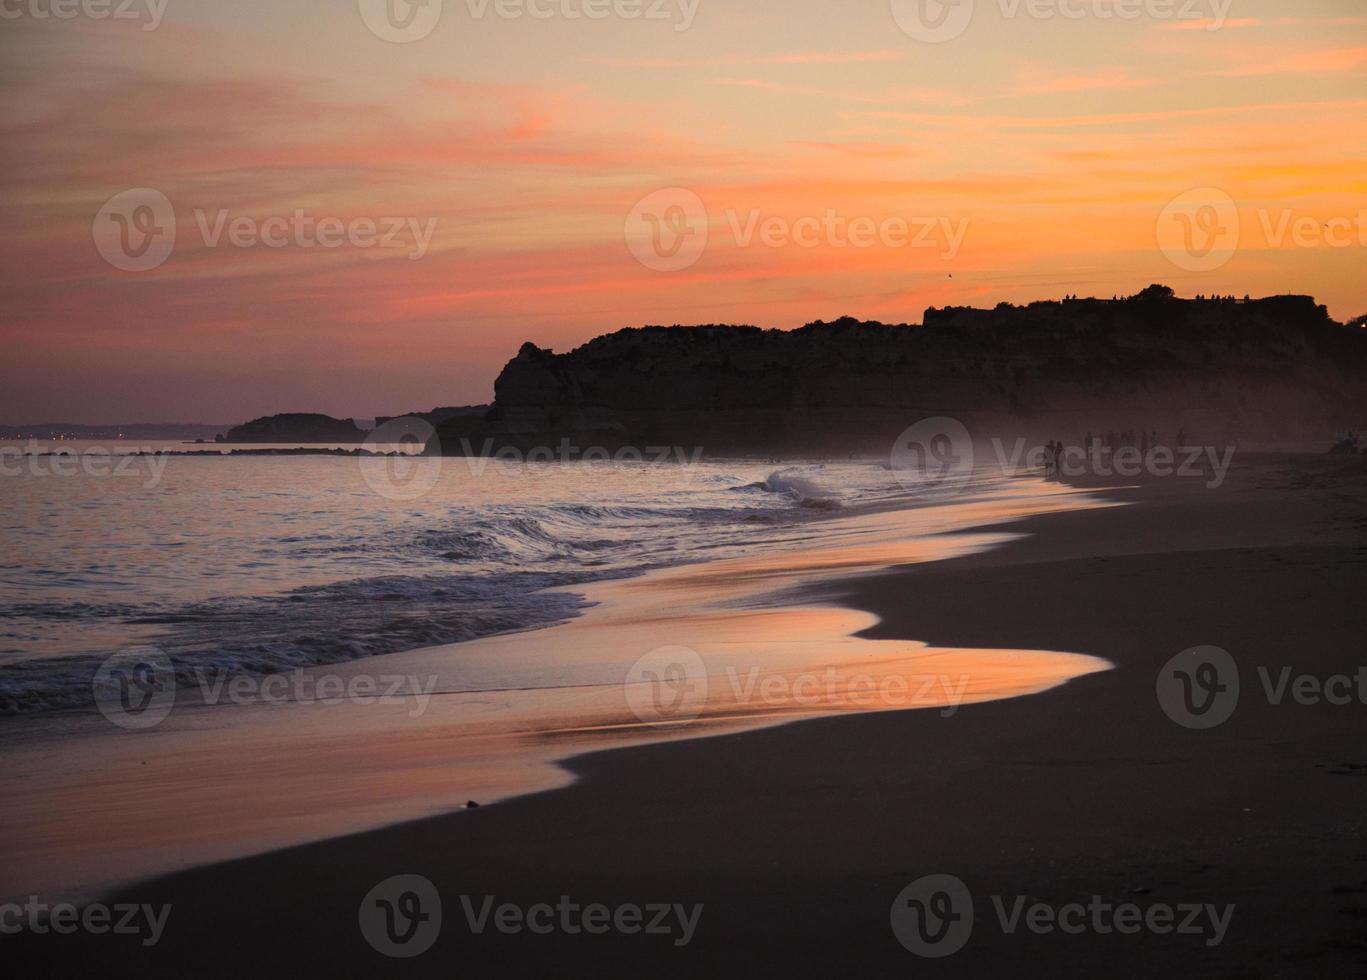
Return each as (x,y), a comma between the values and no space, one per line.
(1274,369)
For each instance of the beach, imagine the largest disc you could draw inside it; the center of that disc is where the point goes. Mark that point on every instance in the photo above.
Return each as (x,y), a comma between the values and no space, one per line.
(782,850)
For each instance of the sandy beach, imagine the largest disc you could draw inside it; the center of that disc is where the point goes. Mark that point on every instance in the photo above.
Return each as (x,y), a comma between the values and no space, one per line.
(796,841)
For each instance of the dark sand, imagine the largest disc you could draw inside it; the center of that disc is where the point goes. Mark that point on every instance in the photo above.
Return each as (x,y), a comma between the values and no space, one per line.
(797,839)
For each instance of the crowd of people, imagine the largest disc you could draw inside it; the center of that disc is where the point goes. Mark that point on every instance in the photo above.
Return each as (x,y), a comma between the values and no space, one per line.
(1107,443)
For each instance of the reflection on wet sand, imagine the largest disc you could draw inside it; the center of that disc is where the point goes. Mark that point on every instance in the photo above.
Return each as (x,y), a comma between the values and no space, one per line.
(680,653)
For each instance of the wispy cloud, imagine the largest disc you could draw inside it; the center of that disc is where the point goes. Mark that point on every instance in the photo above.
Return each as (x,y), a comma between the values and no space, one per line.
(1273,61)
(724,61)
(1211,24)
(1038,80)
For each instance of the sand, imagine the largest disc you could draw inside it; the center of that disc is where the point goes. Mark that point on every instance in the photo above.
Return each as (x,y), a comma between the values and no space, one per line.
(797,839)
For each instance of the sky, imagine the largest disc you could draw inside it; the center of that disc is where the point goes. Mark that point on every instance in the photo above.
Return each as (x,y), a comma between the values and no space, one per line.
(216,211)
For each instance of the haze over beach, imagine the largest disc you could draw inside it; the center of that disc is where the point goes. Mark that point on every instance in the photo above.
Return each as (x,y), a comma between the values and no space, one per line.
(670,488)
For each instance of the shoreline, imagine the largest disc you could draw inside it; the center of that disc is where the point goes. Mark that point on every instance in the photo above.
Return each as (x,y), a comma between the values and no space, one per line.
(1085,789)
(494,718)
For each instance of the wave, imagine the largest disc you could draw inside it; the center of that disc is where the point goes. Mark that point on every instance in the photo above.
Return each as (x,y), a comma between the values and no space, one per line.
(425,579)
(310,627)
(802,490)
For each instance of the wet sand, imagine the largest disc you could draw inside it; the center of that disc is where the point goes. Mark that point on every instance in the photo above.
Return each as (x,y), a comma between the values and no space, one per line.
(796,839)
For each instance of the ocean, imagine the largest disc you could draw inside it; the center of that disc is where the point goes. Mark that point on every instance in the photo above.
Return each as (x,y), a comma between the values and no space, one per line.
(258,564)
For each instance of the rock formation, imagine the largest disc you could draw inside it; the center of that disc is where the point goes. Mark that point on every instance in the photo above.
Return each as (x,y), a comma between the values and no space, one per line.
(301,427)
(1219,369)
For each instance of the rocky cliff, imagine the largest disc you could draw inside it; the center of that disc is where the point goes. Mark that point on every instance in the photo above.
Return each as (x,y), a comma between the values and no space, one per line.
(1267,369)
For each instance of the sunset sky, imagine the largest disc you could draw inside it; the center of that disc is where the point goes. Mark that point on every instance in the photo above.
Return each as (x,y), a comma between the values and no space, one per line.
(524,143)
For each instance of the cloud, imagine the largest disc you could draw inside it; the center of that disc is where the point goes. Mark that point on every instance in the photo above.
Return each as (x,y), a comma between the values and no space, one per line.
(1037,80)
(1274,61)
(726,61)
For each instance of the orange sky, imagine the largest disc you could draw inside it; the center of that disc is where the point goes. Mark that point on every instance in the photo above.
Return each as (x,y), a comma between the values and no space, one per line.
(1023,158)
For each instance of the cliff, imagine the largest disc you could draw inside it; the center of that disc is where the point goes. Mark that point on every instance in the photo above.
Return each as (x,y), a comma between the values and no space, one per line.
(437,415)
(301,427)
(1267,369)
